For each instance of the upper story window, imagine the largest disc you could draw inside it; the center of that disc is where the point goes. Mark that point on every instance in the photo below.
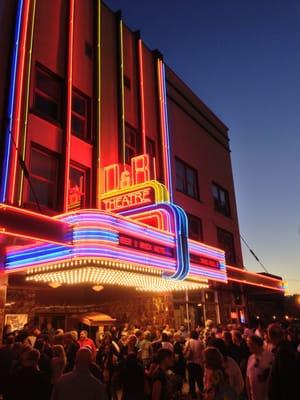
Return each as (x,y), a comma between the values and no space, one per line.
(80,115)
(226,242)
(221,199)
(150,147)
(195,228)
(44,173)
(48,95)
(130,143)
(186,179)
(78,196)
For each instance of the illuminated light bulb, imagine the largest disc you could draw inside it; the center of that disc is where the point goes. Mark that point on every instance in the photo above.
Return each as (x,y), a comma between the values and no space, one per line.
(54,285)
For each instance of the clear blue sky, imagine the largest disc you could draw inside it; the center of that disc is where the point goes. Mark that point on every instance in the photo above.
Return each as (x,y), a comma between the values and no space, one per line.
(243,60)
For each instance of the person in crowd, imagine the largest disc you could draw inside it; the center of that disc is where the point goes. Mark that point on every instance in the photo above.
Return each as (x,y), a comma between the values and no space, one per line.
(132,379)
(243,353)
(28,382)
(232,369)
(6,360)
(49,330)
(193,353)
(146,349)
(179,360)
(45,359)
(80,383)
(58,363)
(258,369)
(216,386)
(165,341)
(139,337)
(107,359)
(71,347)
(233,350)
(160,385)
(284,377)
(84,340)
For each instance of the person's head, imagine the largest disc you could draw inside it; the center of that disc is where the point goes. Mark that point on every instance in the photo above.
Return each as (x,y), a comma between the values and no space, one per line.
(147,335)
(59,339)
(83,335)
(255,344)
(213,359)
(275,334)
(59,331)
(107,339)
(113,329)
(177,337)
(74,335)
(220,345)
(132,340)
(182,328)
(237,337)
(164,337)
(194,335)
(83,359)
(138,333)
(31,358)
(58,351)
(49,326)
(36,332)
(165,358)
(209,324)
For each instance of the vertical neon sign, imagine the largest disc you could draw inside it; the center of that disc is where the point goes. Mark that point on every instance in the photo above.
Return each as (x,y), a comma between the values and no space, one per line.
(164,126)
(69,101)
(18,100)
(10,107)
(26,96)
(98,116)
(142,95)
(122,99)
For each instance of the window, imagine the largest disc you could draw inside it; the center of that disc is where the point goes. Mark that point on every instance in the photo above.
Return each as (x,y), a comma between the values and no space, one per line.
(221,199)
(130,143)
(226,243)
(195,228)
(186,179)
(78,188)
(48,94)
(80,115)
(44,178)
(150,147)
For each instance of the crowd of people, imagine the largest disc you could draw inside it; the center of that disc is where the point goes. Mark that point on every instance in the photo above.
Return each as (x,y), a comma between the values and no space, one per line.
(133,363)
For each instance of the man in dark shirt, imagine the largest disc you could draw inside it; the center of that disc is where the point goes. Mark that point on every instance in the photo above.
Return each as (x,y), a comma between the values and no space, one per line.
(28,382)
(284,377)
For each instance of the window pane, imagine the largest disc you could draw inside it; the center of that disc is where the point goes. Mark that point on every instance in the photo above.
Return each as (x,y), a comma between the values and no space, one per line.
(46,107)
(47,84)
(43,165)
(79,105)
(191,183)
(226,242)
(78,125)
(45,193)
(77,188)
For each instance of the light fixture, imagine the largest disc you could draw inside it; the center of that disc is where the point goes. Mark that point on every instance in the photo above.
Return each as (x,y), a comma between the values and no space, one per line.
(54,285)
(199,305)
(274,316)
(257,317)
(97,288)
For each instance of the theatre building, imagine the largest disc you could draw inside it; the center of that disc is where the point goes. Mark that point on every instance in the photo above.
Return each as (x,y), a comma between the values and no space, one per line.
(116,186)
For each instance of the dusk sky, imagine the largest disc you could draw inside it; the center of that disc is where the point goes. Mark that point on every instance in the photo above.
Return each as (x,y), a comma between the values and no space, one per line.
(242,58)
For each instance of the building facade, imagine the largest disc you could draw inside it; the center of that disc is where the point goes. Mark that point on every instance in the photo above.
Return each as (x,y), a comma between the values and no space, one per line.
(92,119)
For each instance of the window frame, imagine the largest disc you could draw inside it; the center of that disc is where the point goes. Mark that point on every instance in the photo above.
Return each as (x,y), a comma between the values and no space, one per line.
(129,146)
(36,91)
(221,231)
(186,168)
(222,210)
(55,183)
(198,220)
(86,184)
(86,118)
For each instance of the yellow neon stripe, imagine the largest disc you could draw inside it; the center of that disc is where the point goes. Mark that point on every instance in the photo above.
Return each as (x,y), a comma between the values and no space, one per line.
(98,177)
(122,92)
(26,95)
(161,192)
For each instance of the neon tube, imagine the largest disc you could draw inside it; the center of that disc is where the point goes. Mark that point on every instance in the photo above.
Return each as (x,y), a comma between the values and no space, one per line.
(18,99)
(142,95)
(27,92)
(69,102)
(98,116)
(122,90)
(10,108)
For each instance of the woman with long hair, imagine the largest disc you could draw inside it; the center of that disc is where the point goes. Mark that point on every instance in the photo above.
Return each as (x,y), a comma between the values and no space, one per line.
(58,362)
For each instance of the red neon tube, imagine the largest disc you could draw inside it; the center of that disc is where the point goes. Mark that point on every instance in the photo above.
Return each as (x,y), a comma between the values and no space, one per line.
(69,102)
(141,73)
